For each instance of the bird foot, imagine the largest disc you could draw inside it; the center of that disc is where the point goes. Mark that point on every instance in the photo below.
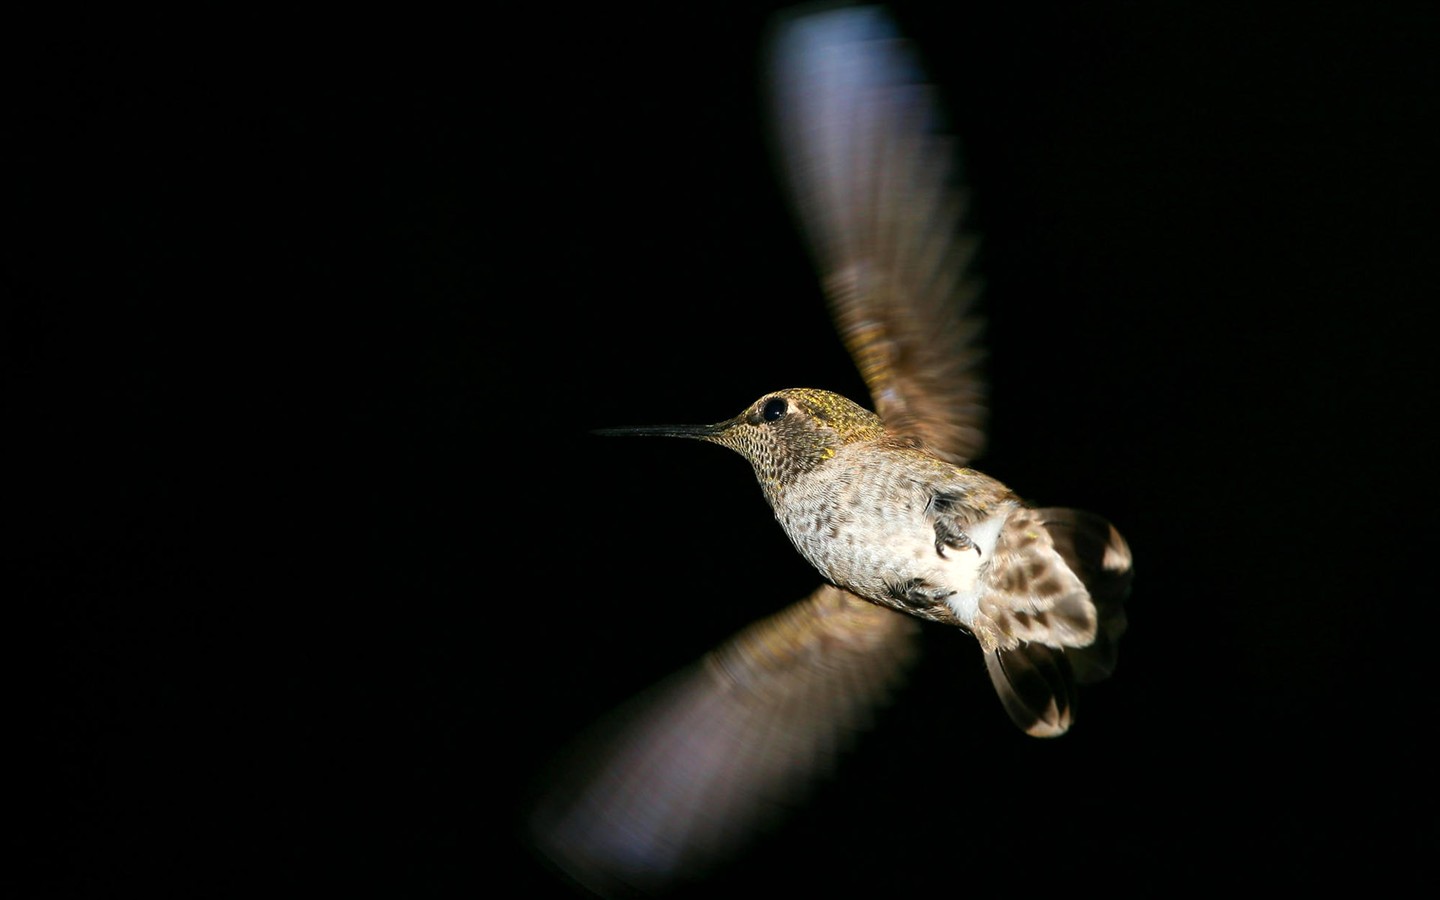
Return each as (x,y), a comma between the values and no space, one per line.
(949,536)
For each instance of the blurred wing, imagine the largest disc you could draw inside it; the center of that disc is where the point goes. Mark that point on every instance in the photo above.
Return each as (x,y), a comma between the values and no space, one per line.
(874,189)
(684,774)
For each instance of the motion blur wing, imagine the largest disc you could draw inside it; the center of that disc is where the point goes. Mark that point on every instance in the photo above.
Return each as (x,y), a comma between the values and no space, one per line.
(689,771)
(875,189)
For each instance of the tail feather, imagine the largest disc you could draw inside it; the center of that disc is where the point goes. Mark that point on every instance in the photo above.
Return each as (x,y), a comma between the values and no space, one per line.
(1036,687)
(1036,682)
(1097,553)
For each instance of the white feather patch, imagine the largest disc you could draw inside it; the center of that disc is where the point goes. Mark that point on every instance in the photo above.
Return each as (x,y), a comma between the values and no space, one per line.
(962,568)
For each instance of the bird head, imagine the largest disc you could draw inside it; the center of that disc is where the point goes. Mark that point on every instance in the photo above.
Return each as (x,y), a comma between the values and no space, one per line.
(783,434)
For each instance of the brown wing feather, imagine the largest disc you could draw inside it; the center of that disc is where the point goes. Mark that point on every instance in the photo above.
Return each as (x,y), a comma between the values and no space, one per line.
(875,190)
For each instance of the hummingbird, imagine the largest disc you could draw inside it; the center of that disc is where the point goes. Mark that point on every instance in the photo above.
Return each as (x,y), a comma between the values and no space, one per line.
(882,503)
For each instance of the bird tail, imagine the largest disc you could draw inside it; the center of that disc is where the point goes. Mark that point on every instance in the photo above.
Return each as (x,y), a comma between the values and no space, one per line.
(1036,682)
(1097,553)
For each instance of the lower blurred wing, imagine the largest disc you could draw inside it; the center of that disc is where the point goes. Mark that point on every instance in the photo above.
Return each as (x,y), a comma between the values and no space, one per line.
(678,779)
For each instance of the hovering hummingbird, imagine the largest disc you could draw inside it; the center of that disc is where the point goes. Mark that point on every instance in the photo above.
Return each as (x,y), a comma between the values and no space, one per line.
(881,503)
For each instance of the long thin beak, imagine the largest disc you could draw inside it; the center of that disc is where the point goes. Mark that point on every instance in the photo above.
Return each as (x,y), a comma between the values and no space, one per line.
(699,432)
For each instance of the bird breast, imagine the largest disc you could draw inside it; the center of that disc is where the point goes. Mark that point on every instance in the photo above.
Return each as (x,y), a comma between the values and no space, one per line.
(867,525)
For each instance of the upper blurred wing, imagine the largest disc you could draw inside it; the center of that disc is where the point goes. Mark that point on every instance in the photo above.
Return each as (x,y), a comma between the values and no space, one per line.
(684,774)
(873,186)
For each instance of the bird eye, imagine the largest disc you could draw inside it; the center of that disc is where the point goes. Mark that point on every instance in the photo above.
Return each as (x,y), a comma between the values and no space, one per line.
(774,409)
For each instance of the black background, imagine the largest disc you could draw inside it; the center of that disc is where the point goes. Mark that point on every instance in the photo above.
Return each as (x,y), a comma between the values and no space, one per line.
(314,561)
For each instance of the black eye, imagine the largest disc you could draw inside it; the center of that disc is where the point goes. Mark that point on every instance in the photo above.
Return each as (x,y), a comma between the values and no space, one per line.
(774,409)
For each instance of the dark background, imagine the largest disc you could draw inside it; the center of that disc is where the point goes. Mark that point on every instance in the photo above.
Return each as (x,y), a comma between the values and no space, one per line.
(313,560)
